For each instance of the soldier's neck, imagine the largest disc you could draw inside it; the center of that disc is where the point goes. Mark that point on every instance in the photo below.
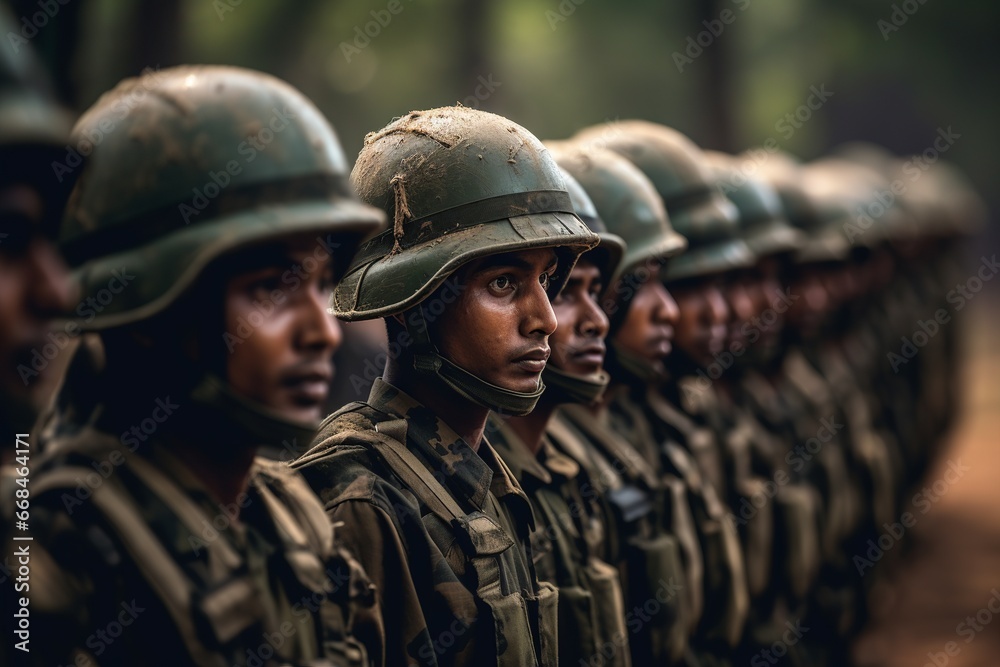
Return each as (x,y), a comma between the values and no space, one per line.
(223,470)
(466,418)
(531,427)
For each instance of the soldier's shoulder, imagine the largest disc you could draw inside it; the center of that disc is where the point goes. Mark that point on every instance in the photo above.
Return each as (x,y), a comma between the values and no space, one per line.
(342,463)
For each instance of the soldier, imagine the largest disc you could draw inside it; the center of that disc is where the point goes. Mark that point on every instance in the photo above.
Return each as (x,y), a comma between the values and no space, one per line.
(33,133)
(688,448)
(34,285)
(159,539)
(483,236)
(650,535)
(776,514)
(569,527)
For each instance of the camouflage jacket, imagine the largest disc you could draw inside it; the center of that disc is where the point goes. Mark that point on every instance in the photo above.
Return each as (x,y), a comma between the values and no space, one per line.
(675,444)
(420,563)
(569,526)
(133,562)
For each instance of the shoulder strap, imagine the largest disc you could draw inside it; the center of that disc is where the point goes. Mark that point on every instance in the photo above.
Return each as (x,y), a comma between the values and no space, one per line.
(151,558)
(611,444)
(485,535)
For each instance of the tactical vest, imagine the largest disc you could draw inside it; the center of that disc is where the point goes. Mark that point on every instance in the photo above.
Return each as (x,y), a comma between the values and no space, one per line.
(523,626)
(726,597)
(648,556)
(211,614)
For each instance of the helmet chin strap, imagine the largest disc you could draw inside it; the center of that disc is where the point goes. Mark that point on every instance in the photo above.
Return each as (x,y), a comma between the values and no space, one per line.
(570,388)
(427,359)
(236,417)
(633,366)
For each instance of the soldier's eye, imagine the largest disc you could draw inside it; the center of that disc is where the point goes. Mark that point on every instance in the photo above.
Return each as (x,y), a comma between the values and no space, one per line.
(545,279)
(501,283)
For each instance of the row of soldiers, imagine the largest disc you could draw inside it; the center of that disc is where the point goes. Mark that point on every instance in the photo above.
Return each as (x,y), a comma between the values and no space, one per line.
(638,404)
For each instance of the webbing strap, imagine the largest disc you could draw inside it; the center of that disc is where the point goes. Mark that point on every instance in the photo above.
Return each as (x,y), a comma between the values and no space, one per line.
(152,559)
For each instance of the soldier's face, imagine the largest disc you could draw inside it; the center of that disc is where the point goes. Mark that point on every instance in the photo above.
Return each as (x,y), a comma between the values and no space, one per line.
(765,291)
(702,326)
(280,337)
(578,341)
(498,327)
(742,307)
(809,313)
(649,327)
(33,289)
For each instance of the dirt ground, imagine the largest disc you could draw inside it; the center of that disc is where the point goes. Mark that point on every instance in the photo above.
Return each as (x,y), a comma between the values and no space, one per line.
(936,608)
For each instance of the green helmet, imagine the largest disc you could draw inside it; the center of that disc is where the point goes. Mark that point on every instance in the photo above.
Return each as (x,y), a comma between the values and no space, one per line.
(762,218)
(606,256)
(626,201)
(28,115)
(698,211)
(34,129)
(945,201)
(935,198)
(183,170)
(458,184)
(854,202)
(611,248)
(821,241)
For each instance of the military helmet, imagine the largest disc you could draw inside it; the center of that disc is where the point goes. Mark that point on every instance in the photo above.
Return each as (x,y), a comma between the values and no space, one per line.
(854,202)
(821,240)
(762,218)
(34,129)
(457,184)
(698,211)
(626,201)
(568,387)
(28,115)
(190,163)
(607,255)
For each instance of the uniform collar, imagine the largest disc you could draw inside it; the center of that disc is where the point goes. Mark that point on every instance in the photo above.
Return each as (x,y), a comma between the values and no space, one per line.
(467,474)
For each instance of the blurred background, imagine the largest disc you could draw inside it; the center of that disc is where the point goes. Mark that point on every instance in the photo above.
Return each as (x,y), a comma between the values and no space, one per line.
(732,74)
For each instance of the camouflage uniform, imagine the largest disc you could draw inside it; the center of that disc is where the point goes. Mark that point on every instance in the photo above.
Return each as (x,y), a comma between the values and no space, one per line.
(395,513)
(683,451)
(446,518)
(569,530)
(133,561)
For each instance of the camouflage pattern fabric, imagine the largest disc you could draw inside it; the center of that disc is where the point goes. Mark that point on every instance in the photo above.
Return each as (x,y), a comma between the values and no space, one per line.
(568,528)
(134,542)
(422,564)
